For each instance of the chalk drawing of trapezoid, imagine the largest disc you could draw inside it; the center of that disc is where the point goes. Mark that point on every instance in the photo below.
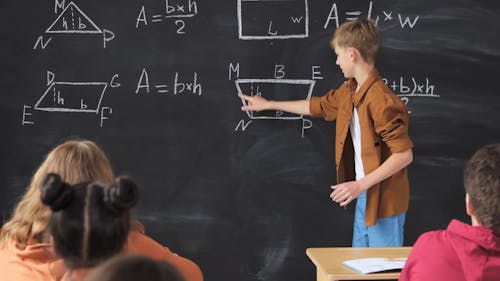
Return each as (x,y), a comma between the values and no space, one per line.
(72,97)
(272,19)
(73,20)
(276,89)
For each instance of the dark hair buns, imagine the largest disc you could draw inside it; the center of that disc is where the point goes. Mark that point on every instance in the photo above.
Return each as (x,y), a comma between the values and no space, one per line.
(55,193)
(123,195)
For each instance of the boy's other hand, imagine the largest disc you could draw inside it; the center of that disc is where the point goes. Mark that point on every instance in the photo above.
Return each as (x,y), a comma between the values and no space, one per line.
(345,192)
(254,103)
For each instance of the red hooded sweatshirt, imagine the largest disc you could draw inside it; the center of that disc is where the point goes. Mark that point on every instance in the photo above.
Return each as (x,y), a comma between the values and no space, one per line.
(460,253)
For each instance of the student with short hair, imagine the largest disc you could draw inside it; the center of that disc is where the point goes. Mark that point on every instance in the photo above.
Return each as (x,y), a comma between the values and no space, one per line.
(135,268)
(26,250)
(465,252)
(372,146)
(90,221)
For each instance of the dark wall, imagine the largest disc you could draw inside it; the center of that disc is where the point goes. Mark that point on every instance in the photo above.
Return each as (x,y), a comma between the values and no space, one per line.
(242,199)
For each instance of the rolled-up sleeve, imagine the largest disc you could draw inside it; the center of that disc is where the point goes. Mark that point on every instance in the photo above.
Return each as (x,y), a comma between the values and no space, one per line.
(325,106)
(391,123)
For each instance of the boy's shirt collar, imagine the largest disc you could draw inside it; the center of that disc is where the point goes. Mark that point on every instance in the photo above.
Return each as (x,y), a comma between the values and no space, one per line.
(352,85)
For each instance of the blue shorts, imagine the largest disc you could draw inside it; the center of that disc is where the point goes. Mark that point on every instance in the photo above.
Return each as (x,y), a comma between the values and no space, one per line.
(388,232)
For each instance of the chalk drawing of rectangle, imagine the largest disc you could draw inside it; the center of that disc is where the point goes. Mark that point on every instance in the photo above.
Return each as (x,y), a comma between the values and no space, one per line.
(276,89)
(272,19)
(72,97)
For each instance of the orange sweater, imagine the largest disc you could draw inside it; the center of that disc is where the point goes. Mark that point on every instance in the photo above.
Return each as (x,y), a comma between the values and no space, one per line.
(39,261)
(141,244)
(35,262)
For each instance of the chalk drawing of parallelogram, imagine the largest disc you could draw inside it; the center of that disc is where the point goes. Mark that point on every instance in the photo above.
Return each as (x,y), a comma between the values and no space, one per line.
(72,97)
(275,89)
(73,20)
(272,19)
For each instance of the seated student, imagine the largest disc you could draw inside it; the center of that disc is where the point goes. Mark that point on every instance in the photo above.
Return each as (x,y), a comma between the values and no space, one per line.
(462,251)
(26,251)
(90,222)
(135,268)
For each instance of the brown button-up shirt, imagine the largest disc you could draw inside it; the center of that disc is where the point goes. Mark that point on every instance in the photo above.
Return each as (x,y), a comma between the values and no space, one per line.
(383,120)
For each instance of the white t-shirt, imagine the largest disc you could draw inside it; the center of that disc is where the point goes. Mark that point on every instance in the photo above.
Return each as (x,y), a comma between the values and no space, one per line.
(356,141)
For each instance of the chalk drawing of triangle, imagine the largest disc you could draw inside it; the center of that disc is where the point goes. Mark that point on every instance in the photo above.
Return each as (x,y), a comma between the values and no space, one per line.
(73,20)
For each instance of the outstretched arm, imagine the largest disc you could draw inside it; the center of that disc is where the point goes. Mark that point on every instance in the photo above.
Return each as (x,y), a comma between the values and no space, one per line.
(258,103)
(345,192)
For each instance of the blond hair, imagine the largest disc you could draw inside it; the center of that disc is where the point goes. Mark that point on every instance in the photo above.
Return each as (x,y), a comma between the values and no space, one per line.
(360,34)
(75,161)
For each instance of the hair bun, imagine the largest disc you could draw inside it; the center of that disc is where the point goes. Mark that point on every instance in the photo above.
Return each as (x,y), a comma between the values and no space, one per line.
(55,193)
(123,195)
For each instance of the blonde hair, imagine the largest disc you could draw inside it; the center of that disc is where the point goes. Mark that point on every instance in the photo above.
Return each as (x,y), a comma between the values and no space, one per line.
(360,34)
(75,161)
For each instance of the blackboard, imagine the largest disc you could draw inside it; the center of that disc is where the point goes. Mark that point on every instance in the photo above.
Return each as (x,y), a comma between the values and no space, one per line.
(154,84)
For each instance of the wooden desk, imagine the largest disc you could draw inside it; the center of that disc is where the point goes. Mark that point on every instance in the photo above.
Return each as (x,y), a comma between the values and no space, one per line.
(329,266)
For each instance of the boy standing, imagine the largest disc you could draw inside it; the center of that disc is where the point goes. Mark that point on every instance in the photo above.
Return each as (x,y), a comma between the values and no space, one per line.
(465,252)
(372,146)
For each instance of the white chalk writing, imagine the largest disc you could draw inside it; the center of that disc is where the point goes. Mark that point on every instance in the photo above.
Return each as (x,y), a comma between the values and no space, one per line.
(405,21)
(80,97)
(257,20)
(176,87)
(179,12)
(72,20)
